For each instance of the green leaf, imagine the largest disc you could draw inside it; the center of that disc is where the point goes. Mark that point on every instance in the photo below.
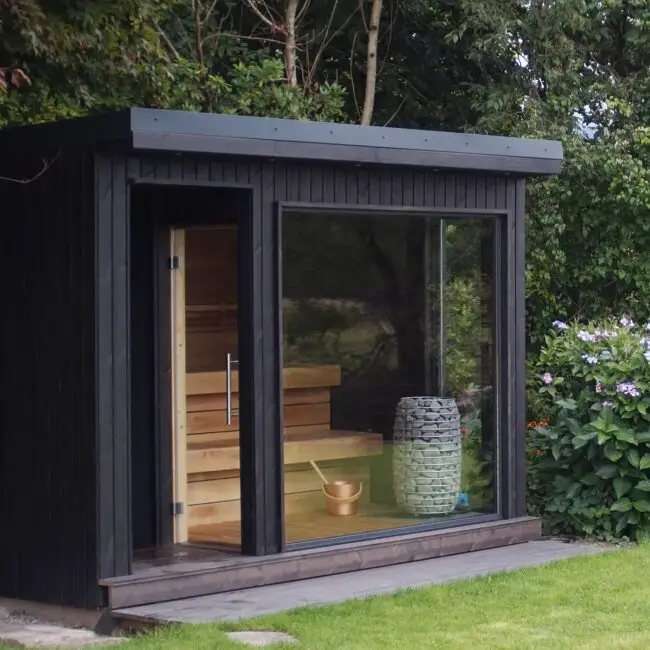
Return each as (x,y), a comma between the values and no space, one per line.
(601,424)
(612,453)
(625,435)
(590,479)
(603,438)
(644,436)
(645,462)
(644,486)
(568,404)
(608,471)
(556,450)
(622,505)
(574,427)
(574,490)
(622,486)
(642,506)
(634,457)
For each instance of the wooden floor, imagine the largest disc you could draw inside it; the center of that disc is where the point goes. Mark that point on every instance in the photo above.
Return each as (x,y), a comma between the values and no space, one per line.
(305,527)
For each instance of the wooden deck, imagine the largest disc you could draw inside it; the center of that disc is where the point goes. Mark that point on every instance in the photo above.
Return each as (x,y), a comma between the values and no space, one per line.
(207,572)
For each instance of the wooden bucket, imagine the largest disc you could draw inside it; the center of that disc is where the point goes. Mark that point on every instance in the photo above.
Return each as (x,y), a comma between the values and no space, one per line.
(342,497)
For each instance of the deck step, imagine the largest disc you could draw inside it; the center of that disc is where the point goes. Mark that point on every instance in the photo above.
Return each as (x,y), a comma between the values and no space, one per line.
(272,599)
(192,579)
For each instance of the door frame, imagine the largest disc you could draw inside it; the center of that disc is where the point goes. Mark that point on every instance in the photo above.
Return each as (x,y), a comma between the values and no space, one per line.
(258,355)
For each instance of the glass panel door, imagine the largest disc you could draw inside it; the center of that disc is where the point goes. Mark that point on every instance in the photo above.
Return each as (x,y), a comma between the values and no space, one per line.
(388,341)
(211,384)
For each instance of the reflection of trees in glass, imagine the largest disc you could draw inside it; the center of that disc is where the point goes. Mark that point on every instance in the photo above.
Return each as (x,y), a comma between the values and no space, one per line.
(468,316)
(369,270)
(335,331)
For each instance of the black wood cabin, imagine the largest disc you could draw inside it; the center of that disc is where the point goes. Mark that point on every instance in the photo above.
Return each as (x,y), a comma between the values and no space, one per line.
(181,288)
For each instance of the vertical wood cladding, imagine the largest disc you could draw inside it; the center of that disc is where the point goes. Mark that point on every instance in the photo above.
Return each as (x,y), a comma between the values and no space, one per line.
(48,543)
(273,182)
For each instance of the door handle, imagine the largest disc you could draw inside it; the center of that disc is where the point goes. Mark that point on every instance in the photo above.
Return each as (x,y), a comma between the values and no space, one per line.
(230,362)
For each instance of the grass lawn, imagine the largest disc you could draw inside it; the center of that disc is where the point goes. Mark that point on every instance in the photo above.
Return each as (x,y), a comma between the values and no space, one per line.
(589,603)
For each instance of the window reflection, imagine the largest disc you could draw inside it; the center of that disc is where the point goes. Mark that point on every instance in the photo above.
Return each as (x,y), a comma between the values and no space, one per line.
(388,344)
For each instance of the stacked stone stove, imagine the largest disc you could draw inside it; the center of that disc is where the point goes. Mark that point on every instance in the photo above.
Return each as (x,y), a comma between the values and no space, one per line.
(427,455)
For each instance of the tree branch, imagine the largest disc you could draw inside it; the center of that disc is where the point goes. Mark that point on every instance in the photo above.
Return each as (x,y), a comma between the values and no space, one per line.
(262,39)
(209,11)
(371,64)
(327,39)
(352,84)
(252,5)
(165,39)
(26,181)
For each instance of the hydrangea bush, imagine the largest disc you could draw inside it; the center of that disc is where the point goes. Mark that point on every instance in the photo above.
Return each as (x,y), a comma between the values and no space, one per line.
(589,467)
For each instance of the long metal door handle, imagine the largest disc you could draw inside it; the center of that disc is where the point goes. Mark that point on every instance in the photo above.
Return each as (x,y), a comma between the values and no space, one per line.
(230,362)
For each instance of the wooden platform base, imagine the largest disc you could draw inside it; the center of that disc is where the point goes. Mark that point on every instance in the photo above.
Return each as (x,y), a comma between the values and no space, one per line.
(310,526)
(233,573)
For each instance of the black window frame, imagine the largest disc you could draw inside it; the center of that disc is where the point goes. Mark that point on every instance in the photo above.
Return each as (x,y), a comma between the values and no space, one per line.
(507,409)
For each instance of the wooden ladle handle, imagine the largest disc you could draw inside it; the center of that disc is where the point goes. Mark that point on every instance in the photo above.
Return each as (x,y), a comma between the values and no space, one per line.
(320,474)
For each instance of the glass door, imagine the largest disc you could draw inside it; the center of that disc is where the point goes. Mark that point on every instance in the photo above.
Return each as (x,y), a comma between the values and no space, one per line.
(206,383)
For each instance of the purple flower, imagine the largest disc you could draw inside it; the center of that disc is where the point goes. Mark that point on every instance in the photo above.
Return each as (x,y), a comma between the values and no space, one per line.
(606,354)
(646,356)
(599,387)
(547,378)
(608,403)
(590,359)
(561,325)
(627,388)
(605,334)
(586,336)
(626,322)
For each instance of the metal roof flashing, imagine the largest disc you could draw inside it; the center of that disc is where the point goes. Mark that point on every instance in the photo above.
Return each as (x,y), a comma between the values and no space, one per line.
(237,136)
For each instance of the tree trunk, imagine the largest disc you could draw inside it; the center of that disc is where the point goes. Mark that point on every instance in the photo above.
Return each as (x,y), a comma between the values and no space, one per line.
(290,40)
(371,65)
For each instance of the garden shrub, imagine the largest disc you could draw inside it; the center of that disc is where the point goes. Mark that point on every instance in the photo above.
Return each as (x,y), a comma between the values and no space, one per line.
(589,466)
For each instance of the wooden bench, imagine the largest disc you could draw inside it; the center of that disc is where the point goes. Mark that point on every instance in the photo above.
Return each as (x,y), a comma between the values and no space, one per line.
(213,445)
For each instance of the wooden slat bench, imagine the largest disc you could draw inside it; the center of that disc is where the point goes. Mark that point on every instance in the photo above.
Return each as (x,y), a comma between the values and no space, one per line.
(213,445)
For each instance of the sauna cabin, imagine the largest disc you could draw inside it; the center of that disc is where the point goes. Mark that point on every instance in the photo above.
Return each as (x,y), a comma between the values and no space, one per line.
(212,321)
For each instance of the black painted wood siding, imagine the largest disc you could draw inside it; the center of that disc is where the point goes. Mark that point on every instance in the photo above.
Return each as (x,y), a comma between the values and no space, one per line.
(273,182)
(48,543)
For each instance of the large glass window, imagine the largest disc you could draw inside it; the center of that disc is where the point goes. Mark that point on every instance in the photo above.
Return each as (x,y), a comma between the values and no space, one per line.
(389,373)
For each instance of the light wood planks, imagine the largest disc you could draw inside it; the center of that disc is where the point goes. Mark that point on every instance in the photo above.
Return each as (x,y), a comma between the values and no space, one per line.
(179,392)
(197,403)
(211,296)
(304,480)
(306,526)
(294,415)
(320,445)
(207,383)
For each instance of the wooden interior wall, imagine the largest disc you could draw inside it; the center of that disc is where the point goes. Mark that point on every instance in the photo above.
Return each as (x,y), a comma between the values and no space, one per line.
(211,296)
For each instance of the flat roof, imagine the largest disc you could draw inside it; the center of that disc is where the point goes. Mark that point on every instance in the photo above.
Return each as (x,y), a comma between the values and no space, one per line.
(145,129)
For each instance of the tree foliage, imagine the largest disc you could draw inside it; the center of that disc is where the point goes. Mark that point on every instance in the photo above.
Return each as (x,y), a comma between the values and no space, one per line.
(578,70)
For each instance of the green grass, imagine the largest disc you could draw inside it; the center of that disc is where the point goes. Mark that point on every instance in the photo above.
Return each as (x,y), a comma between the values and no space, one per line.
(589,603)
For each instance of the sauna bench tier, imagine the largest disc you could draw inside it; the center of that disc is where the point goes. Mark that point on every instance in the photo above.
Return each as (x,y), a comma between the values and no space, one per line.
(213,445)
